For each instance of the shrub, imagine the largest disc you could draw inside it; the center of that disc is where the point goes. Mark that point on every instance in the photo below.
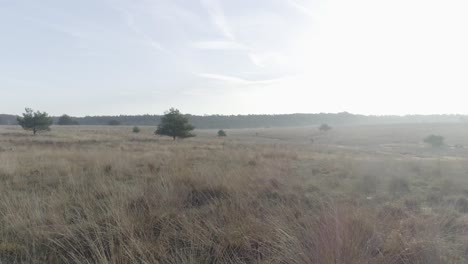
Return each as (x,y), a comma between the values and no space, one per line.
(136,129)
(108,168)
(434,140)
(325,128)
(221,133)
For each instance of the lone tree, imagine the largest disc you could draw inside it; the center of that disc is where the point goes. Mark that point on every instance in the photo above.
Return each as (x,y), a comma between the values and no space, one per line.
(66,120)
(175,125)
(221,133)
(136,129)
(324,128)
(434,140)
(35,121)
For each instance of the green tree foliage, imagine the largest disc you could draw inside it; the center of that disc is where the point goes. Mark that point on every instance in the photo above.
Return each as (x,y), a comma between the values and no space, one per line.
(175,125)
(434,140)
(35,121)
(221,133)
(325,128)
(136,129)
(114,123)
(66,120)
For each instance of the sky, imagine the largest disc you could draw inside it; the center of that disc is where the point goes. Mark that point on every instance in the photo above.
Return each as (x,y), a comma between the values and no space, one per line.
(110,57)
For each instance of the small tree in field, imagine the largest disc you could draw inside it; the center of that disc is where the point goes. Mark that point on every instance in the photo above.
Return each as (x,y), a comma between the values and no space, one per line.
(35,121)
(434,140)
(136,129)
(222,133)
(175,125)
(324,128)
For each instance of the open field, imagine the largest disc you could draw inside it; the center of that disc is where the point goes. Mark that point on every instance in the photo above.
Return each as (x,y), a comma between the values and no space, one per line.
(362,194)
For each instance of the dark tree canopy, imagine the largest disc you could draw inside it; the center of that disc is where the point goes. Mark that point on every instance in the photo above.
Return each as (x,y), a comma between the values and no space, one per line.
(35,121)
(221,133)
(66,120)
(114,123)
(175,125)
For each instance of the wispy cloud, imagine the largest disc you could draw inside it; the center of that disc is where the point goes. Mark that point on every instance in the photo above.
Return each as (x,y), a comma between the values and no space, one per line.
(214,9)
(129,20)
(218,45)
(300,7)
(239,81)
(258,58)
(149,41)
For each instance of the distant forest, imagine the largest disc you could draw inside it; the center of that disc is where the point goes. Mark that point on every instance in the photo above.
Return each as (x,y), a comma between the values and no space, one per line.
(258,121)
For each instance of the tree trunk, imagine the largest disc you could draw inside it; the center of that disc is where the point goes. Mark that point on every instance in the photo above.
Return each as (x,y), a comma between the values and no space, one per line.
(34,131)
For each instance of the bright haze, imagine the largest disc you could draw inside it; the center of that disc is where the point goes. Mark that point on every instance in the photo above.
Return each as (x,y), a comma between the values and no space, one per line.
(99,57)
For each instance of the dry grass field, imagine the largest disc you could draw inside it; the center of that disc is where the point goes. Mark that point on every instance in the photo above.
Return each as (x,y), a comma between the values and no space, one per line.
(362,194)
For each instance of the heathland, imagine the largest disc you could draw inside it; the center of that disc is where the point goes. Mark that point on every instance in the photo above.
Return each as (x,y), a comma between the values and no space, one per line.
(355,194)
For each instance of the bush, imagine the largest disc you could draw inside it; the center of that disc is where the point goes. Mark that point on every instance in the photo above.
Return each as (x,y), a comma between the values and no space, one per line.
(221,133)
(324,128)
(434,140)
(136,129)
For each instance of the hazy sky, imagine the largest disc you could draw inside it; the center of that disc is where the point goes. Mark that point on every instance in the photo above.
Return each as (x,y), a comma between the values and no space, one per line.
(92,57)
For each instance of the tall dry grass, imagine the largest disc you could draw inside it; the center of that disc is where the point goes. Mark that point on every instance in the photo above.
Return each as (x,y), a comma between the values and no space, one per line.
(107,196)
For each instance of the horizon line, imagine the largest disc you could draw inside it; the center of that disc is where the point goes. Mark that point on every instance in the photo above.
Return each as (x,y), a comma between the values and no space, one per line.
(264,114)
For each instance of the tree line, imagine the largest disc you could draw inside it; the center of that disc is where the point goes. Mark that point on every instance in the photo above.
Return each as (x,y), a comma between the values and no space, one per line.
(173,124)
(251,121)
